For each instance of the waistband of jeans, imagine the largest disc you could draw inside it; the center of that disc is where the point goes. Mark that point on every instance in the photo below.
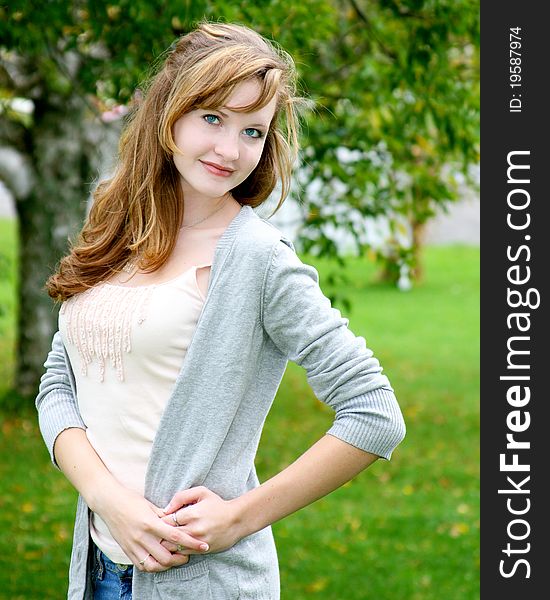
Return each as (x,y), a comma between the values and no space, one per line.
(118,568)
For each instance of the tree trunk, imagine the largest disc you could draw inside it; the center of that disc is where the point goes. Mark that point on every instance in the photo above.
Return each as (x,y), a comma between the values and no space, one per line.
(61,161)
(389,271)
(419,235)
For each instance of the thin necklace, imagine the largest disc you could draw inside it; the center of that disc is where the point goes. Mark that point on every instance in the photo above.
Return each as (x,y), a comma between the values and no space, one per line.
(131,264)
(204,218)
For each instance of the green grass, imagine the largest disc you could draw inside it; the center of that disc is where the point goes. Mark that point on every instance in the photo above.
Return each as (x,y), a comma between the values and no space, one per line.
(407,529)
(8,259)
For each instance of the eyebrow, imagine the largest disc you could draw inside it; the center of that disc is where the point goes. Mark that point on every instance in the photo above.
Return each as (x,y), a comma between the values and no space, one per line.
(252,125)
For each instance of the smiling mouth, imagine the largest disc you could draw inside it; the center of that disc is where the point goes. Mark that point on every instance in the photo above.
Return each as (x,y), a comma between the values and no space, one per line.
(217,169)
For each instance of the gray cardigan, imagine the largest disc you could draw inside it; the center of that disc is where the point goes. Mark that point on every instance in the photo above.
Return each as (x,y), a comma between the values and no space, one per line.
(263,307)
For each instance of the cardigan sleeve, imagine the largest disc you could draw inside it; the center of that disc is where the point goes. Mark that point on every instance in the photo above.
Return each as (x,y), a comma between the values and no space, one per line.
(56,403)
(341,370)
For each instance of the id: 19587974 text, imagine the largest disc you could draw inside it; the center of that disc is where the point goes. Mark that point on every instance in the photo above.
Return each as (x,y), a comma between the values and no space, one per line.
(515,103)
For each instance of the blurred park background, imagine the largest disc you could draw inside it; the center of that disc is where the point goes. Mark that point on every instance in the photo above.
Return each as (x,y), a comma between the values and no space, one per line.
(384,204)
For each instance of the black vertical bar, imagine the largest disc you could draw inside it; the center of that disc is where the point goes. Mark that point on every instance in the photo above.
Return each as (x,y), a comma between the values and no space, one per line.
(514,273)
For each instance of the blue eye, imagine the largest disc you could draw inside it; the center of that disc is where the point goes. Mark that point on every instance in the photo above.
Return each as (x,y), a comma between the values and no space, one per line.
(257,134)
(208,118)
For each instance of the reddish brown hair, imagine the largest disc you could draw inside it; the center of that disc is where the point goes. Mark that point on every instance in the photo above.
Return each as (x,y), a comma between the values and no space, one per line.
(139,210)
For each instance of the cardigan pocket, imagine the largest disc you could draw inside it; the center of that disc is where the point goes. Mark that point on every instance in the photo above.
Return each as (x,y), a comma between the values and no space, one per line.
(188,581)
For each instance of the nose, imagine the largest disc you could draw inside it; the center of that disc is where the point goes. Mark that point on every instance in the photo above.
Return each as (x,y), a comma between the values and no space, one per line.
(227,146)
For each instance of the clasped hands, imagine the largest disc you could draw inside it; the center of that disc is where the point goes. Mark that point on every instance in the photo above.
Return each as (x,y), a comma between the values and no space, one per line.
(205,517)
(196,521)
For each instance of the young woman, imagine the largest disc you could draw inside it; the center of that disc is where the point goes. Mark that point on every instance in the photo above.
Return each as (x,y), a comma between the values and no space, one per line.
(180,309)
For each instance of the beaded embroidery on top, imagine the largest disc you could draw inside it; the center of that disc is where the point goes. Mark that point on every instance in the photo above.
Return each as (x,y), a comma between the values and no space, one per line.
(99,323)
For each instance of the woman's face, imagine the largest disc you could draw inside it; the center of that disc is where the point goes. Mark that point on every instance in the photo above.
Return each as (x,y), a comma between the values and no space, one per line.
(220,147)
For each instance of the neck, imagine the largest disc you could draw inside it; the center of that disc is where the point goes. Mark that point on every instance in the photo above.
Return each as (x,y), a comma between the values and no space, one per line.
(196,210)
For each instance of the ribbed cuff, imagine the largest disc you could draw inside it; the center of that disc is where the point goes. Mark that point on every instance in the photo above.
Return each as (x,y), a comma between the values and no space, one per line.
(58,414)
(372,422)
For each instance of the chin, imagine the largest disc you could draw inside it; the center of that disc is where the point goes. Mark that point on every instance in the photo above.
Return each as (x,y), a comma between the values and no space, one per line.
(212,192)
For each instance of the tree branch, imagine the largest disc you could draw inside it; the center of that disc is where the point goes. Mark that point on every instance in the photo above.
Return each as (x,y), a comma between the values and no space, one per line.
(390,53)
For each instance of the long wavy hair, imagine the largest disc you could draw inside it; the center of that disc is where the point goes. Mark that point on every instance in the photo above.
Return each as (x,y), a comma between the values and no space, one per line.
(138,211)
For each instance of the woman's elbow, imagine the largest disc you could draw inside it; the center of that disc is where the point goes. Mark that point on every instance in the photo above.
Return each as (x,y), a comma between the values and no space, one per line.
(399,428)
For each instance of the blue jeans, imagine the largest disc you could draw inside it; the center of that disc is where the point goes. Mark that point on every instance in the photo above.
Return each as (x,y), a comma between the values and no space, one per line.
(110,580)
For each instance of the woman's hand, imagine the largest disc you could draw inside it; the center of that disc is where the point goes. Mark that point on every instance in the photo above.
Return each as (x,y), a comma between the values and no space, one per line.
(203,515)
(137,526)
(135,523)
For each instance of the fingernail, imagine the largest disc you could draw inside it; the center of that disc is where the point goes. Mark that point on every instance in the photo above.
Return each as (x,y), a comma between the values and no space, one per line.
(167,507)
(204,547)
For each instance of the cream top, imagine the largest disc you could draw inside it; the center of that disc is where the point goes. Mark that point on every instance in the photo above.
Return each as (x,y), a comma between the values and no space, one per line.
(127,346)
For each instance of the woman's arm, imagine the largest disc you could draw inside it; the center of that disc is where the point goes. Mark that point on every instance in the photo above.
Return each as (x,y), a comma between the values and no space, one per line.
(323,468)
(136,524)
(132,520)
(56,403)
(341,370)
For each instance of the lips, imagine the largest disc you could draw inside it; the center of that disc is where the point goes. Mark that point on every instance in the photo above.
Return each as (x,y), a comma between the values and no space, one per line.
(216,169)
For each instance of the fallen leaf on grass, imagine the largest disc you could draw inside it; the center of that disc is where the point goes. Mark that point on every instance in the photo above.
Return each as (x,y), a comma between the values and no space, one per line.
(62,534)
(339,547)
(317,586)
(458,529)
